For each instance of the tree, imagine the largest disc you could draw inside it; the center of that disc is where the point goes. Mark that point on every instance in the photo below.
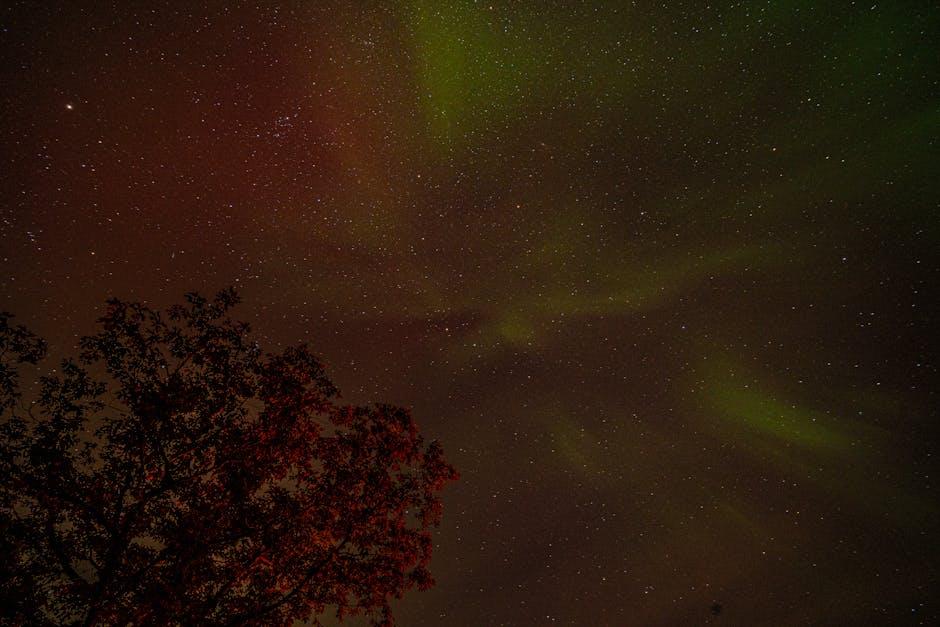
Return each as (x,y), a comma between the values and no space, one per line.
(176,474)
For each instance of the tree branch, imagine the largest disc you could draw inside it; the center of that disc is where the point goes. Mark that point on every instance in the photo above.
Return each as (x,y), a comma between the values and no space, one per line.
(59,551)
(286,597)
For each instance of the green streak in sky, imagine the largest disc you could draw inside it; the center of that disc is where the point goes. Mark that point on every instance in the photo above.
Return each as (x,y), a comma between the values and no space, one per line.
(785,423)
(470,66)
(522,313)
(746,406)
(478,66)
(515,328)
(848,458)
(575,445)
(636,289)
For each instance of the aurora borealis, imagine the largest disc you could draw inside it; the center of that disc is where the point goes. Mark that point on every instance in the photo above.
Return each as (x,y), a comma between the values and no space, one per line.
(657,275)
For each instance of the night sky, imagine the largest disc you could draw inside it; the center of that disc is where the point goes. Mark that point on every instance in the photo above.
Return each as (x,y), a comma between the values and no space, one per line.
(658,275)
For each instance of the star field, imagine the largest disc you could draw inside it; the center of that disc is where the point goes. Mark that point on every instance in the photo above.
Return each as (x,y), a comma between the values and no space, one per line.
(658,275)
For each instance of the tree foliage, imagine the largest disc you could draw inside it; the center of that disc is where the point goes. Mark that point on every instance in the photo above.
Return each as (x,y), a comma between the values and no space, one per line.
(176,474)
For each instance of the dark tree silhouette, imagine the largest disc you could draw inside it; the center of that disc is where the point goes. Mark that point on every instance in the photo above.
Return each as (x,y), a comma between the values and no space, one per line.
(175,474)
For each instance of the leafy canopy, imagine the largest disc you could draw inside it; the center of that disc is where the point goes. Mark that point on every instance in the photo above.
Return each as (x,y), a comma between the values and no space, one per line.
(176,474)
